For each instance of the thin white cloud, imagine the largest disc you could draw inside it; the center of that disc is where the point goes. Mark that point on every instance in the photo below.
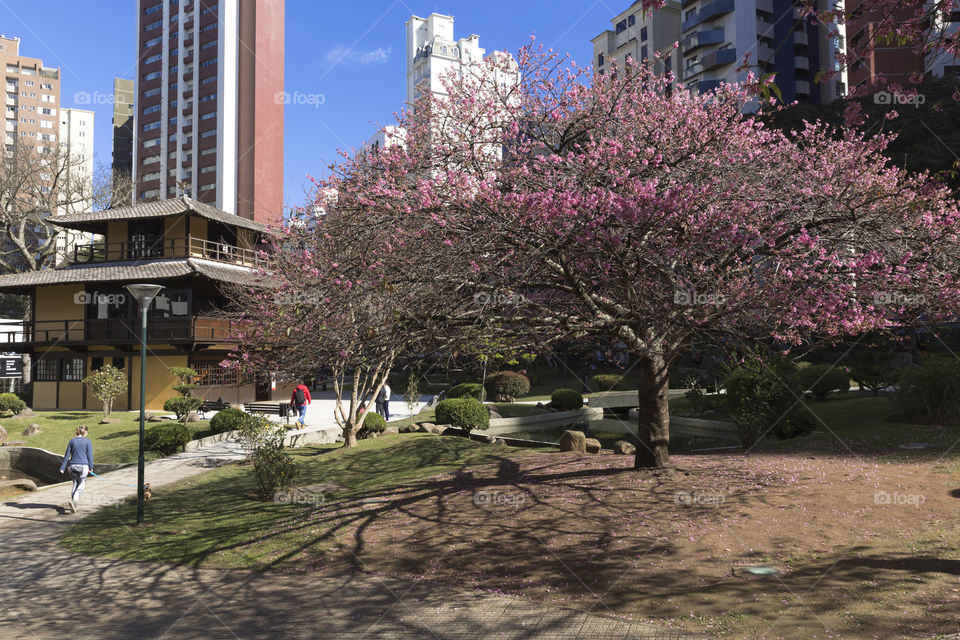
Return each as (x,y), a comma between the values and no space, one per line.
(344,55)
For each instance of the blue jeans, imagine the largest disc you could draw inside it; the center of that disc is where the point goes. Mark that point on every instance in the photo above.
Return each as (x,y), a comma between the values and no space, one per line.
(302,410)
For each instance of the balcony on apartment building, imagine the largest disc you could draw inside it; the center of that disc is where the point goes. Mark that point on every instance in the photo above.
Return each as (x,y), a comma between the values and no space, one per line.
(168,248)
(801,38)
(702,38)
(712,60)
(708,12)
(802,87)
(706,86)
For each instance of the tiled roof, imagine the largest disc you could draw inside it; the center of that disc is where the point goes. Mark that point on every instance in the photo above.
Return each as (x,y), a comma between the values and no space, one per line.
(127,272)
(158,209)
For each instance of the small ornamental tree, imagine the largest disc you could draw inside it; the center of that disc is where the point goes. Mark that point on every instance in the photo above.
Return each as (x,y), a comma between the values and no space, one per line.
(107,383)
(184,403)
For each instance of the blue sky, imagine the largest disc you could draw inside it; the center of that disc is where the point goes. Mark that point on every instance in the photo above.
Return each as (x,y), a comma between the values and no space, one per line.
(94,40)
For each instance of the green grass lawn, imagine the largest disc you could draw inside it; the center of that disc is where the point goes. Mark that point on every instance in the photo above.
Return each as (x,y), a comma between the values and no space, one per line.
(112,443)
(217,518)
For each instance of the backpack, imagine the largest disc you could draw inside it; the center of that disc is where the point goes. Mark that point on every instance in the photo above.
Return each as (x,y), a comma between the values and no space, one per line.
(299,397)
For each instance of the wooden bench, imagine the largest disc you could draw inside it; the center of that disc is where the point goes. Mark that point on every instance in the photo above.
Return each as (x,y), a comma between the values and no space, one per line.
(269,408)
(212,405)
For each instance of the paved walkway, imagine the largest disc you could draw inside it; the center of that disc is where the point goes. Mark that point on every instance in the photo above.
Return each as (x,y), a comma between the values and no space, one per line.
(48,592)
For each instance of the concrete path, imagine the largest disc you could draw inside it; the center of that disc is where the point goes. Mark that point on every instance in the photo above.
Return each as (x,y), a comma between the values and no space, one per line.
(48,592)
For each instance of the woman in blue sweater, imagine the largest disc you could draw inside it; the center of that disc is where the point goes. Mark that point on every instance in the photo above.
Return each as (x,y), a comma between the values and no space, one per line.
(79,457)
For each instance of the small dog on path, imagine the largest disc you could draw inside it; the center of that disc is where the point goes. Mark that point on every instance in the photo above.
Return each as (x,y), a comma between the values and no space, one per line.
(147,493)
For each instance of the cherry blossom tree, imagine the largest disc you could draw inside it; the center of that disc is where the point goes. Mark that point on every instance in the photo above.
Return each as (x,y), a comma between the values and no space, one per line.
(616,208)
(347,287)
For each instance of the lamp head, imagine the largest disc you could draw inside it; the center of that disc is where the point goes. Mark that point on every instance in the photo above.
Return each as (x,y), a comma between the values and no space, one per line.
(144,293)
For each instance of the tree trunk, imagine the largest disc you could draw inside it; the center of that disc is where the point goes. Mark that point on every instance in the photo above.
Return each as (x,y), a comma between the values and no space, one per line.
(350,436)
(653,419)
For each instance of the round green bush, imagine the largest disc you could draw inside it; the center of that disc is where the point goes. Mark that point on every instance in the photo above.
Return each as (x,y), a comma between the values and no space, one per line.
(606,381)
(821,379)
(930,392)
(227,420)
(166,439)
(11,402)
(466,390)
(763,401)
(182,406)
(507,386)
(373,423)
(566,399)
(463,413)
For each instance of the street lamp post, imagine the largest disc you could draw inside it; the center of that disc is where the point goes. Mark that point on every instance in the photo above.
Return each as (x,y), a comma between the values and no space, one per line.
(144,295)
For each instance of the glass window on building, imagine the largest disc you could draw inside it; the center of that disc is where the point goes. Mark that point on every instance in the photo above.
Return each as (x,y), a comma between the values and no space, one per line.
(73,369)
(643,33)
(621,26)
(48,370)
(632,20)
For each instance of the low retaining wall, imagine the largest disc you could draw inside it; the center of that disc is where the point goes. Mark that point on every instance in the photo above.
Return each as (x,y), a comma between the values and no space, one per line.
(292,439)
(543,422)
(716,429)
(43,464)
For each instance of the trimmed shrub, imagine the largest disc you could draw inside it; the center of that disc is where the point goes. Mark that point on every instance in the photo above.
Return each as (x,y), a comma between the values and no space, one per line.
(227,420)
(373,423)
(821,379)
(507,386)
(606,381)
(930,391)
(463,413)
(874,371)
(166,439)
(566,399)
(467,390)
(760,403)
(182,406)
(11,402)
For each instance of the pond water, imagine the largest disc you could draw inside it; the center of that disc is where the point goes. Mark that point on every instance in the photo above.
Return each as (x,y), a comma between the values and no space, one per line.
(14,474)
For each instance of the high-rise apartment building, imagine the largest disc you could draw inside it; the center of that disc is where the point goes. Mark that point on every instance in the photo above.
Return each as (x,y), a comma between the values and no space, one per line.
(123,103)
(432,53)
(32,99)
(638,36)
(723,41)
(208,119)
(76,140)
(892,61)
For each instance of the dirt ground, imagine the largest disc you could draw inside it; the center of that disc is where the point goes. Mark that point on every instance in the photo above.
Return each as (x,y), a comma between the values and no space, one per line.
(867,548)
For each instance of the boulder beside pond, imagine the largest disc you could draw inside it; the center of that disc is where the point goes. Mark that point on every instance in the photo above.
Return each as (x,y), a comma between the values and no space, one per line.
(573,441)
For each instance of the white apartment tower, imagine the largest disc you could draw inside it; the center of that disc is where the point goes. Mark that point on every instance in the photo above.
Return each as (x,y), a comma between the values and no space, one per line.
(638,36)
(432,53)
(76,133)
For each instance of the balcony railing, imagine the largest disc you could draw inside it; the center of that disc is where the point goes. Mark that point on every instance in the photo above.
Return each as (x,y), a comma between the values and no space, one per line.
(708,12)
(118,331)
(719,58)
(702,38)
(187,247)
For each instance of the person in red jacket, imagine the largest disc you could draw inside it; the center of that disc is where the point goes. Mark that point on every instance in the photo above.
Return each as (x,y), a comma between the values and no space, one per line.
(299,399)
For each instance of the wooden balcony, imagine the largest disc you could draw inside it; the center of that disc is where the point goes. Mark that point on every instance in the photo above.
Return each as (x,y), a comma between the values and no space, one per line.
(169,248)
(113,331)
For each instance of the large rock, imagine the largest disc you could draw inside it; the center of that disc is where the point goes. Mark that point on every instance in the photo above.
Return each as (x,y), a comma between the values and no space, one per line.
(494,414)
(32,429)
(624,448)
(391,429)
(20,483)
(409,428)
(193,417)
(3,434)
(573,441)
(592,445)
(429,427)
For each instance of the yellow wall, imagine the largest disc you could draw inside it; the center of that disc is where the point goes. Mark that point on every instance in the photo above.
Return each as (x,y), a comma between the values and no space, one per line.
(58,302)
(120,402)
(71,395)
(116,232)
(159,380)
(174,236)
(55,303)
(198,227)
(44,395)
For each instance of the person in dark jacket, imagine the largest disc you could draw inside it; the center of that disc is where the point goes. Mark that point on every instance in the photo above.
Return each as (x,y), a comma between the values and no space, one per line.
(299,400)
(79,460)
